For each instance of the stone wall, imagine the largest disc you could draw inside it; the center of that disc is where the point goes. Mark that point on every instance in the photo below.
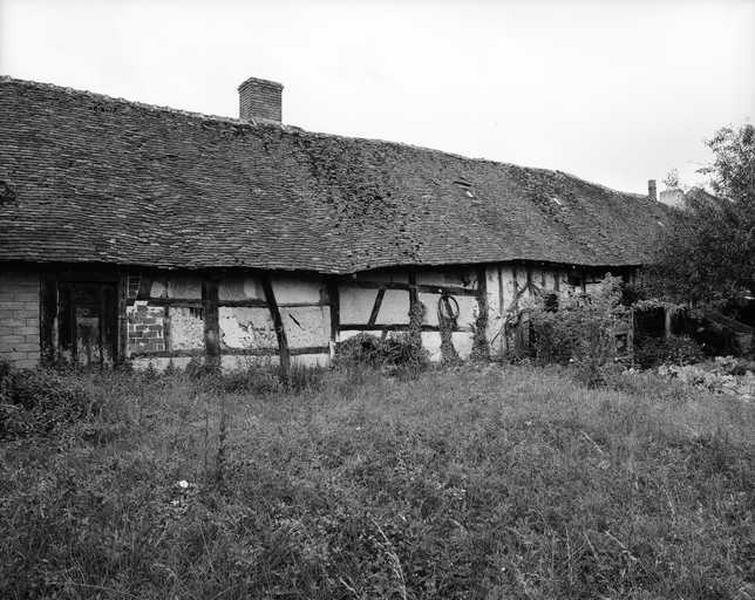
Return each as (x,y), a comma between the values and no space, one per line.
(19,318)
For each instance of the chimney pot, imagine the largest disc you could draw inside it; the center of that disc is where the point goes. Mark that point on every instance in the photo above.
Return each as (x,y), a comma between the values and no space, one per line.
(260,99)
(652,193)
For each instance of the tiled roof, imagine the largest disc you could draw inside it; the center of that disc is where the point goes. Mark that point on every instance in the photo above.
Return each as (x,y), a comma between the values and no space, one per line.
(90,178)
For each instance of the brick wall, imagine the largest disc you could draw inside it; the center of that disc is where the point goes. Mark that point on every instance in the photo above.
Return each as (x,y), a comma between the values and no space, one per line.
(146,328)
(19,318)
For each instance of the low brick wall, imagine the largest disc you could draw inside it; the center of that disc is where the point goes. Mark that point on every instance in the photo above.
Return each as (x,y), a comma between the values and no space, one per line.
(19,318)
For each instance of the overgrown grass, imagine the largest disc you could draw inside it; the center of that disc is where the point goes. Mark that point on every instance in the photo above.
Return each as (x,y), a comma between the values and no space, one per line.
(477,482)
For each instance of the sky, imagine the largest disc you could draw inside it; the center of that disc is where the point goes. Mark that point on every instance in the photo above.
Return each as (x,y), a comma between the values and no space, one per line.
(616,92)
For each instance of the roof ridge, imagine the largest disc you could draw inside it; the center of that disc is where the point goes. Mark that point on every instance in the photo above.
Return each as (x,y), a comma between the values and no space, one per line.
(143,105)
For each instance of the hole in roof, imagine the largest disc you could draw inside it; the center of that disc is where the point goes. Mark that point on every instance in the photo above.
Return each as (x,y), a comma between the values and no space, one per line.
(466,186)
(7,192)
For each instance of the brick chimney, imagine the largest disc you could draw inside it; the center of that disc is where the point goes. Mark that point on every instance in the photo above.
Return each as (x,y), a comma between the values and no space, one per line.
(260,99)
(652,193)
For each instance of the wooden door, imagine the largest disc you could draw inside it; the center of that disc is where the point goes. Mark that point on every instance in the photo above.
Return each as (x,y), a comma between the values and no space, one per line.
(88,317)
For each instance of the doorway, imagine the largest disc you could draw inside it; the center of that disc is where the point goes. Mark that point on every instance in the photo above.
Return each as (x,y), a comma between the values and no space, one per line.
(87,322)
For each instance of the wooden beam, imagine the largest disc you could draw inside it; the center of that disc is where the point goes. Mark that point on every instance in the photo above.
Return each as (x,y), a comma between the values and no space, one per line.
(145,286)
(481,348)
(335,309)
(501,301)
(232,352)
(516,281)
(167,340)
(211,324)
(121,344)
(184,302)
(48,311)
(393,327)
(415,309)
(376,306)
(280,332)
(666,322)
(454,290)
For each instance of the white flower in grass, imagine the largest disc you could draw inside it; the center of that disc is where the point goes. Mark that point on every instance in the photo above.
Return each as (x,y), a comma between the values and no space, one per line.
(183,484)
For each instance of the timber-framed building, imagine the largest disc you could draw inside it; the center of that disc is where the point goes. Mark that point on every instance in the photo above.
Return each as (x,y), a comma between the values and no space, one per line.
(158,236)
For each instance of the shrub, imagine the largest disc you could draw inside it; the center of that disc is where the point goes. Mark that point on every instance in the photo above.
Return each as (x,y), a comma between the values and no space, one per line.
(581,331)
(267,379)
(37,401)
(402,353)
(678,350)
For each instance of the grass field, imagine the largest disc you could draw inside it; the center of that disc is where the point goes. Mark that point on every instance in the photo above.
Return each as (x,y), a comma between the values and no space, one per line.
(477,482)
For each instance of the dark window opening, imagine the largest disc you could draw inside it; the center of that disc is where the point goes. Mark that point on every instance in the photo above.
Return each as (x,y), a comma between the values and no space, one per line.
(550,302)
(575,279)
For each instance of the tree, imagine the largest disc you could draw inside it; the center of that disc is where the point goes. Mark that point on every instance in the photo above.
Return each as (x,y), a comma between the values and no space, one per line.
(708,257)
(671,180)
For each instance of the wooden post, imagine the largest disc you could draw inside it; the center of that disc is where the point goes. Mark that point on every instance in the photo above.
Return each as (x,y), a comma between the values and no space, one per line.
(481,347)
(501,311)
(48,310)
(280,332)
(211,323)
(335,314)
(121,343)
(415,318)
(630,337)
(666,322)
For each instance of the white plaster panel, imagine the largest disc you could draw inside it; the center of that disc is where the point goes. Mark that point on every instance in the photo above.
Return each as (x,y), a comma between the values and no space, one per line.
(240,288)
(356,304)
(431,342)
(495,312)
(234,362)
(142,364)
(161,363)
(492,297)
(394,309)
(246,327)
(311,360)
(430,316)
(468,310)
(592,288)
(306,325)
(186,328)
(563,281)
(550,279)
(184,287)
(463,342)
(345,335)
(158,289)
(290,290)
(509,287)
